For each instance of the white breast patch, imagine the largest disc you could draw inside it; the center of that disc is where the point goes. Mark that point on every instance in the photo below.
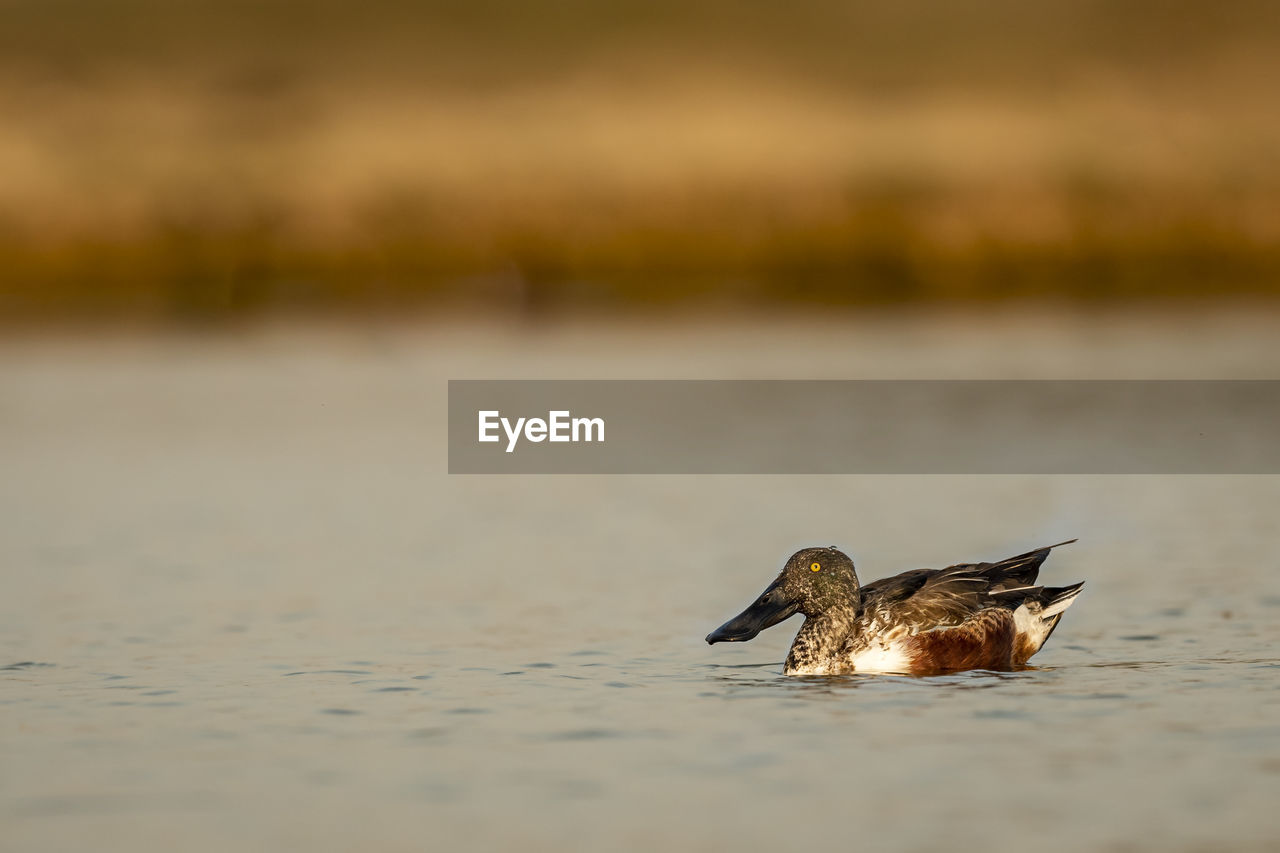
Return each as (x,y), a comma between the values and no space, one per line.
(878,658)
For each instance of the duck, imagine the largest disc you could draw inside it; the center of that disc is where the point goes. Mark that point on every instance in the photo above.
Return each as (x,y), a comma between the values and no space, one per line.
(990,616)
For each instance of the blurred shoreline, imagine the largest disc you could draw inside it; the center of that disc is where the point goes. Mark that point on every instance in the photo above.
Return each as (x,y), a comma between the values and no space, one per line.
(189,162)
(990,341)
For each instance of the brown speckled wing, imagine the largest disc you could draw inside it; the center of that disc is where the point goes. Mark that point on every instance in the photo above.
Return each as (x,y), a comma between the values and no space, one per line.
(925,599)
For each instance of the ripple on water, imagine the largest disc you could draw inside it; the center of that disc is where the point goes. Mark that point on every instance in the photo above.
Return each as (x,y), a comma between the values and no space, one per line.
(329,672)
(1001,714)
(584,734)
(430,732)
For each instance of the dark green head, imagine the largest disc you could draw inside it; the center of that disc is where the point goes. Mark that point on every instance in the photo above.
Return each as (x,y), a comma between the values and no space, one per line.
(812,582)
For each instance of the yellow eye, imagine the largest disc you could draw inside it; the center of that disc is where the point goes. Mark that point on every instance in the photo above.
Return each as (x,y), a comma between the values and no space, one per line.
(815,566)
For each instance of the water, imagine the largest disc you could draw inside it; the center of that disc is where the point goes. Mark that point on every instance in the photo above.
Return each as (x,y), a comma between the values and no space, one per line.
(244,608)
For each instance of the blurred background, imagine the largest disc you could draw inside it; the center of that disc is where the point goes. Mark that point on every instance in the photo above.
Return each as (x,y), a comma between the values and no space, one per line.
(194,160)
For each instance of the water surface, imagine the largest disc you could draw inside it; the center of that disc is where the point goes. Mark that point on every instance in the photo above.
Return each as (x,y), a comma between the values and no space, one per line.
(244,608)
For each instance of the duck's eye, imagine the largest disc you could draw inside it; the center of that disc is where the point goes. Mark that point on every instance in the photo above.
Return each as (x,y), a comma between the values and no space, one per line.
(813,567)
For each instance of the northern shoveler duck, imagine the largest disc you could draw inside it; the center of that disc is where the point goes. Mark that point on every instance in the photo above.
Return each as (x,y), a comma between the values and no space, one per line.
(921,622)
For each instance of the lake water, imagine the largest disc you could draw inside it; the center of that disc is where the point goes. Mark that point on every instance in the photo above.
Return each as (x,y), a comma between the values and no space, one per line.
(245,608)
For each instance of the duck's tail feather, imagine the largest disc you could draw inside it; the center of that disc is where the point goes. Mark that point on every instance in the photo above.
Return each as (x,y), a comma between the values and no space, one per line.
(1019,571)
(1056,600)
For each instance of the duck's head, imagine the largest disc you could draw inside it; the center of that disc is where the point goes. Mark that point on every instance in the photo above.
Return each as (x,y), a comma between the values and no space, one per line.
(813,581)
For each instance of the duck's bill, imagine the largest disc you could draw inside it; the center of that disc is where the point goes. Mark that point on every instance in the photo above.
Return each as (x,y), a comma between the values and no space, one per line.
(769,609)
